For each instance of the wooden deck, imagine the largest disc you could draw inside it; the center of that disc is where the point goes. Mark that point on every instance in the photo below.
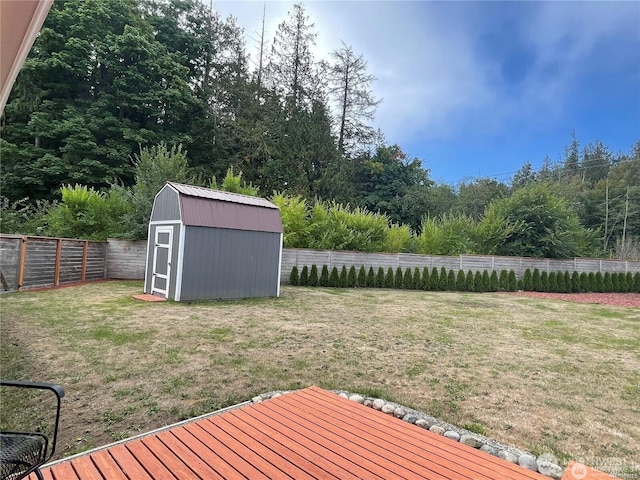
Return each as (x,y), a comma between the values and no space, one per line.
(307,434)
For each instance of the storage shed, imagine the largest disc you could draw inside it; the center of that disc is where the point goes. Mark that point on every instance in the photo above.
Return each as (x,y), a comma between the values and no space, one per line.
(207,244)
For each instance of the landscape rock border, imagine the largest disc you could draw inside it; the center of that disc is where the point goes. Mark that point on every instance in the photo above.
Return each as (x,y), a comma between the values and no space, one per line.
(545,465)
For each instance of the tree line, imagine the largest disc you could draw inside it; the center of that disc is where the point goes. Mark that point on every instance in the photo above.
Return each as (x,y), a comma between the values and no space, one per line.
(117,97)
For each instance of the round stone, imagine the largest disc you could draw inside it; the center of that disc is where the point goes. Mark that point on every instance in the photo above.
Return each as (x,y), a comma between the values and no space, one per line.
(386,408)
(357,398)
(409,418)
(399,412)
(488,449)
(528,461)
(437,429)
(471,441)
(378,403)
(422,423)
(508,456)
(452,435)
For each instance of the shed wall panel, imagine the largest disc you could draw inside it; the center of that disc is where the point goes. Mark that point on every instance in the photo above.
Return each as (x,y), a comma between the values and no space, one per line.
(166,205)
(224,263)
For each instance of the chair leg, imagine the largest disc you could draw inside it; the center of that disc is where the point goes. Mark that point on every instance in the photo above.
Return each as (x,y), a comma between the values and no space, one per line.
(38,474)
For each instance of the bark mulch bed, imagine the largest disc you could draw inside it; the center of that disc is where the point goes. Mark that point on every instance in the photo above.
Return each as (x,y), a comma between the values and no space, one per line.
(618,299)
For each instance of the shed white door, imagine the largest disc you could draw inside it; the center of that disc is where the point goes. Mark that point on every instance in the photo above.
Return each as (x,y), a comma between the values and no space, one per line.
(162,247)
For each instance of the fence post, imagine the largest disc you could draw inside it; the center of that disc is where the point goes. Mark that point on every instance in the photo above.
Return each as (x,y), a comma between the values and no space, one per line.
(56,271)
(85,250)
(23,260)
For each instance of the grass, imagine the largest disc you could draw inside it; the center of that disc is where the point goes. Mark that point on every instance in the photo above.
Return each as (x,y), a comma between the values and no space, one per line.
(546,376)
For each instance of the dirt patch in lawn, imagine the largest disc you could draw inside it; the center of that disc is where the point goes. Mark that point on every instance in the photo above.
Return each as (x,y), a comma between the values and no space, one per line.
(546,376)
(618,299)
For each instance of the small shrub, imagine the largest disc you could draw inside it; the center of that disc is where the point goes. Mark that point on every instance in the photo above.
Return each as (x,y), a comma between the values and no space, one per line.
(334,278)
(371,278)
(561,285)
(503,281)
(426,279)
(408,279)
(536,280)
(294,278)
(636,282)
(343,277)
(388,278)
(513,282)
(352,277)
(544,281)
(478,286)
(575,282)
(494,283)
(380,279)
(399,280)
(568,288)
(324,277)
(608,284)
(622,282)
(417,281)
(442,280)
(615,287)
(434,281)
(553,282)
(485,281)
(629,282)
(362,277)
(451,281)
(304,276)
(470,282)
(461,281)
(313,276)
(584,282)
(527,281)
(599,282)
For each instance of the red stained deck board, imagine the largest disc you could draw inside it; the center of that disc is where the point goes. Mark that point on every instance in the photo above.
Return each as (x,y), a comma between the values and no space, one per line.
(413,440)
(308,434)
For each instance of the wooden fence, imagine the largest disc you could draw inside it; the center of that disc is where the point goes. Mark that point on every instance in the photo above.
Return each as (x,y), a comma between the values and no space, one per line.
(32,262)
(28,262)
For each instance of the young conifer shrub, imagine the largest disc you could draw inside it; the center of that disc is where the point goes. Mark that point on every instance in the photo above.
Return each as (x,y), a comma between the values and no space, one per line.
(615,287)
(426,279)
(407,279)
(477,282)
(434,280)
(442,280)
(629,282)
(494,284)
(608,284)
(398,281)
(304,276)
(486,281)
(553,282)
(334,278)
(562,287)
(313,276)
(503,281)
(636,282)
(324,277)
(388,278)
(362,277)
(417,281)
(599,282)
(294,278)
(352,277)
(470,282)
(622,282)
(527,281)
(371,278)
(380,279)
(451,281)
(461,281)
(544,280)
(343,277)
(513,282)
(575,282)
(567,282)
(536,280)
(584,283)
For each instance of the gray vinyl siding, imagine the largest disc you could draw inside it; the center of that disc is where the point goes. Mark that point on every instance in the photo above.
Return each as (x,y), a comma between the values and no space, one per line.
(166,205)
(224,263)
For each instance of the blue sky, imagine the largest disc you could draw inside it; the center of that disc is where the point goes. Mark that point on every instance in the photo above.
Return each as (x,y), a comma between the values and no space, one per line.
(478,88)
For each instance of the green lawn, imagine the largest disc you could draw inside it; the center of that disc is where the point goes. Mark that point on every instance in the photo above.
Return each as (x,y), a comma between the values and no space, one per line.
(545,376)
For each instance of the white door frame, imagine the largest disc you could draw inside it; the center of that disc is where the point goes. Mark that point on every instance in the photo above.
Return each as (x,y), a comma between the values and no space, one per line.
(155,274)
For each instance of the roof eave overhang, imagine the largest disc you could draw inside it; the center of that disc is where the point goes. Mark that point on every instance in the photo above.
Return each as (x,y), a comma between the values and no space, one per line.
(20,23)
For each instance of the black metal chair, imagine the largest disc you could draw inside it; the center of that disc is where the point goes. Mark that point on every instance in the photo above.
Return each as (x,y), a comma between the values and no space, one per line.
(23,453)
